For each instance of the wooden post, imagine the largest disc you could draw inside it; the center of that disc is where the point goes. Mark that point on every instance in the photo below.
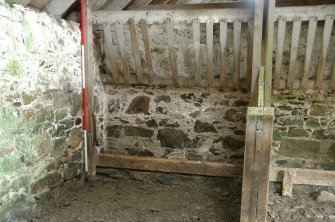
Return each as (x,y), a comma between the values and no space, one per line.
(89,72)
(256,164)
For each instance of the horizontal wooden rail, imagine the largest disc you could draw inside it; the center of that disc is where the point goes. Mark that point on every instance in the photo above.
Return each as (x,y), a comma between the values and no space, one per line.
(170,166)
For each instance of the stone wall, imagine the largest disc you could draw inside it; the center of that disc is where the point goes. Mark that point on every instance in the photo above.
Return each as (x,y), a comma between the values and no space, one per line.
(304,133)
(193,124)
(40,109)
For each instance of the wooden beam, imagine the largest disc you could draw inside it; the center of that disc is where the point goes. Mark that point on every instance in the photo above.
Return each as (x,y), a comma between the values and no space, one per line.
(170,166)
(332,81)
(237,54)
(328,27)
(148,58)
(223,57)
(294,51)
(309,48)
(21,2)
(255,186)
(209,47)
(172,51)
(136,50)
(89,72)
(59,7)
(111,53)
(196,48)
(269,30)
(230,5)
(176,16)
(304,12)
(249,53)
(257,48)
(158,2)
(124,60)
(118,5)
(38,4)
(279,51)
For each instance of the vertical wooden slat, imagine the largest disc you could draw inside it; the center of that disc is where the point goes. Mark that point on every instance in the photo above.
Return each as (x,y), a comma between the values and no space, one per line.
(209,46)
(324,51)
(110,52)
(332,81)
(288,180)
(148,58)
(249,53)
(89,70)
(257,48)
(223,59)
(237,53)
(294,51)
(124,61)
(279,51)
(136,51)
(309,48)
(196,47)
(269,53)
(172,52)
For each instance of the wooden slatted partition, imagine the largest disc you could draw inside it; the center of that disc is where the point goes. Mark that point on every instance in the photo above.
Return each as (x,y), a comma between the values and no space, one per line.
(120,23)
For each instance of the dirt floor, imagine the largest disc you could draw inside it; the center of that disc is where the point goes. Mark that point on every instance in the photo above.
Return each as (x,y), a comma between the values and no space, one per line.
(194,200)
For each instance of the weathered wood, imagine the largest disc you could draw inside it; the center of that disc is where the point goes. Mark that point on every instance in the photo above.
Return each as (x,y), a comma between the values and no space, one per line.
(170,166)
(304,12)
(111,53)
(332,81)
(261,87)
(324,51)
(158,2)
(209,47)
(148,58)
(176,16)
(124,60)
(269,53)
(309,48)
(172,51)
(136,51)
(59,7)
(223,59)
(237,53)
(38,4)
(183,6)
(118,5)
(293,52)
(89,70)
(22,2)
(257,48)
(249,53)
(279,51)
(256,163)
(288,180)
(196,48)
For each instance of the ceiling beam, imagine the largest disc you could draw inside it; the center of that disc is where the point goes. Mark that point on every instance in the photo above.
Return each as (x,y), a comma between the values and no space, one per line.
(22,2)
(38,4)
(59,7)
(192,6)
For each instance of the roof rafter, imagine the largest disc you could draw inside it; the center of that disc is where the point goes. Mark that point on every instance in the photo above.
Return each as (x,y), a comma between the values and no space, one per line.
(59,7)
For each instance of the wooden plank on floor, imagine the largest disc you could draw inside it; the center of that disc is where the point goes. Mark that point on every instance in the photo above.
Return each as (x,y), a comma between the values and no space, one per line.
(169,165)
(209,47)
(147,49)
(172,51)
(294,51)
(124,60)
(249,53)
(196,48)
(223,57)
(279,51)
(136,50)
(328,27)
(309,48)
(237,54)
(111,53)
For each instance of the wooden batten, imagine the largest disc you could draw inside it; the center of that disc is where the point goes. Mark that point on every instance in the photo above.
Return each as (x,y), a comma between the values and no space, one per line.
(223,57)
(147,48)
(169,165)
(172,51)
(124,60)
(249,53)
(209,48)
(196,48)
(309,48)
(279,51)
(237,53)
(293,52)
(111,53)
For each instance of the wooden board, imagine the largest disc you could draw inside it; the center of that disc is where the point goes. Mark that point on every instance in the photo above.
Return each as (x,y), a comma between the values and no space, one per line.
(293,52)
(209,50)
(124,60)
(324,51)
(148,58)
(309,48)
(136,50)
(172,51)
(249,56)
(332,81)
(111,53)
(237,54)
(223,57)
(169,165)
(196,48)
(279,51)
